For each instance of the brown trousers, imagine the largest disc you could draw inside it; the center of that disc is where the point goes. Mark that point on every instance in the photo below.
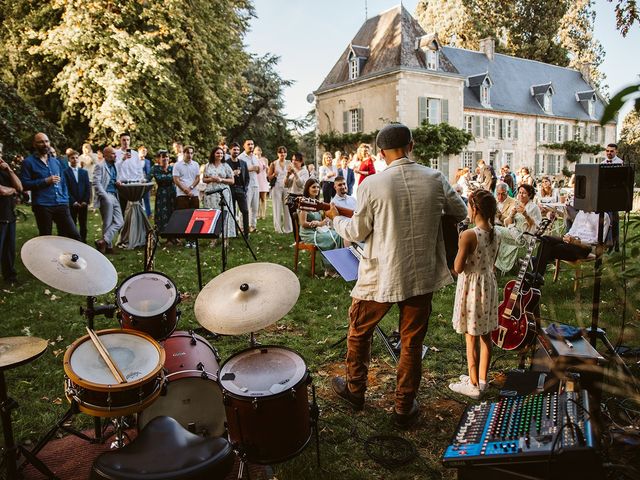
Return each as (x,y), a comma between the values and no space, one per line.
(364,315)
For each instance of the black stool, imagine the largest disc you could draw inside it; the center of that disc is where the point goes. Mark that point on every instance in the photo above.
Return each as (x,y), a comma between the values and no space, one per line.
(164,450)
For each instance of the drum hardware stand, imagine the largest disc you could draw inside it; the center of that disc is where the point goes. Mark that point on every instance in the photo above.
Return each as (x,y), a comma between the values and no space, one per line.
(150,249)
(225,205)
(315,415)
(11,451)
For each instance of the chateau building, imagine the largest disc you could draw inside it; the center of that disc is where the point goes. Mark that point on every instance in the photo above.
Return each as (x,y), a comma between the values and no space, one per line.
(394,71)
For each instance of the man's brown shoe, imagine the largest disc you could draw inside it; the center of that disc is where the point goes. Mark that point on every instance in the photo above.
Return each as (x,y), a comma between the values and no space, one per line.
(339,385)
(406,420)
(101,246)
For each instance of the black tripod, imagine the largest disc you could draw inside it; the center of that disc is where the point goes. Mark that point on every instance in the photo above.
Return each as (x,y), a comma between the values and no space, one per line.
(225,205)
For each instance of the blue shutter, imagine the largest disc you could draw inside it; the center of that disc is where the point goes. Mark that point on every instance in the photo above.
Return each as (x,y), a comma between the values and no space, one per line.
(485,126)
(502,129)
(537,132)
(445,110)
(422,109)
(515,129)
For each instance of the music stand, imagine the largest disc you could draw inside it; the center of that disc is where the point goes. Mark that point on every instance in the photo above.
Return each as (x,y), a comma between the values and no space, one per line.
(223,203)
(177,228)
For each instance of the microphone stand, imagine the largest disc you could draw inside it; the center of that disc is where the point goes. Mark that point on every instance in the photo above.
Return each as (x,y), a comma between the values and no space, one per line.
(225,205)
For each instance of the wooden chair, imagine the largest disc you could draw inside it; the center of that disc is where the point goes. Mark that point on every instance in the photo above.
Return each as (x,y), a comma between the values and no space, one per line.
(299,245)
(577,268)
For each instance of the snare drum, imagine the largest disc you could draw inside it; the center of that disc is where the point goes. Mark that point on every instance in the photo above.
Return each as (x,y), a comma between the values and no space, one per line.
(193,396)
(147,303)
(90,383)
(267,403)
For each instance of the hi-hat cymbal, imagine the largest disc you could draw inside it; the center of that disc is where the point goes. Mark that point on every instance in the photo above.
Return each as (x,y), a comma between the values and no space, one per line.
(15,351)
(247,298)
(69,265)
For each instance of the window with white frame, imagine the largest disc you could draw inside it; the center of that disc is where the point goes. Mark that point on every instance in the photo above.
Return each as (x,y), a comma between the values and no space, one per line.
(435,163)
(432,59)
(467,160)
(485,95)
(577,132)
(547,102)
(492,127)
(354,120)
(560,133)
(354,68)
(591,108)
(542,132)
(507,159)
(433,111)
(468,124)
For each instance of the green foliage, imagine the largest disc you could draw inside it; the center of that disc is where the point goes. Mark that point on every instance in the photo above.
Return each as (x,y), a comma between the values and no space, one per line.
(574,149)
(618,100)
(627,13)
(19,121)
(345,142)
(629,144)
(161,69)
(432,141)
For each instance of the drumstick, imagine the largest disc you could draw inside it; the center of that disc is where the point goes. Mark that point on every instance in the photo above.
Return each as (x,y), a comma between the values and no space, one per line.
(104,353)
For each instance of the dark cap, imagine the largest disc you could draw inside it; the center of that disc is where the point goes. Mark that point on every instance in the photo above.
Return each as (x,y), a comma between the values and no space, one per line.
(394,135)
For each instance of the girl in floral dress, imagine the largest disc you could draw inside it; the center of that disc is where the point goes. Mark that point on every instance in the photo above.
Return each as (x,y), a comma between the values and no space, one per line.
(475,313)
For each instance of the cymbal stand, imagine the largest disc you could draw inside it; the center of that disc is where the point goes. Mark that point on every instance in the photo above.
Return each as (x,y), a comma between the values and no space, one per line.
(315,415)
(11,450)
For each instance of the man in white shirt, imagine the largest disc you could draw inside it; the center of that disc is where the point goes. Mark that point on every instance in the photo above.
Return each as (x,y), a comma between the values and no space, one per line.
(186,177)
(379,164)
(506,204)
(576,244)
(341,198)
(611,154)
(398,216)
(253,191)
(128,164)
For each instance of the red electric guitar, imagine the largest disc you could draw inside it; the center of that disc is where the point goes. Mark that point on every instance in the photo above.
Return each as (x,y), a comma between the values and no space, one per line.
(516,323)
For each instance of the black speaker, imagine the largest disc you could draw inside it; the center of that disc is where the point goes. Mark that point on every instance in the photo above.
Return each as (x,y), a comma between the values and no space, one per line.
(603,188)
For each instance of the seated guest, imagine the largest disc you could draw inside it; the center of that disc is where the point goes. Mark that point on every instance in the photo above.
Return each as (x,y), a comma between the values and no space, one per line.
(506,204)
(314,228)
(576,244)
(547,194)
(524,217)
(509,178)
(79,192)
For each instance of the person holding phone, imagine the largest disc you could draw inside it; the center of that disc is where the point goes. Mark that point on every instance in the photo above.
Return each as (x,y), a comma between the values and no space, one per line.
(128,164)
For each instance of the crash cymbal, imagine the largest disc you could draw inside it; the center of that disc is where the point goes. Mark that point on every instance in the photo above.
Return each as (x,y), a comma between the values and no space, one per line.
(247,298)
(15,351)
(69,265)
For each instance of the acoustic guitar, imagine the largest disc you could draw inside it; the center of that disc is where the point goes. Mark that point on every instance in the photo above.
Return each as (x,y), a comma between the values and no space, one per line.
(516,322)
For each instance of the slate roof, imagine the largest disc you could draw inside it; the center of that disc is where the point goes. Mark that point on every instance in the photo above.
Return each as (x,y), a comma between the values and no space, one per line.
(512,81)
(392,36)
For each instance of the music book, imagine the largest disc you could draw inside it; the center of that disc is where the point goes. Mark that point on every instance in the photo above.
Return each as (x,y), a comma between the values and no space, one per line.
(203,221)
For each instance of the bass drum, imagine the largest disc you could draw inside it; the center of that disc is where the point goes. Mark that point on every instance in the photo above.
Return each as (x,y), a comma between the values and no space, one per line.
(90,383)
(267,403)
(192,395)
(148,303)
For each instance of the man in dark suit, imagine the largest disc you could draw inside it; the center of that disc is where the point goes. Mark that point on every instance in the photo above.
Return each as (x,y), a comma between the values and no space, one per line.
(347,173)
(77,180)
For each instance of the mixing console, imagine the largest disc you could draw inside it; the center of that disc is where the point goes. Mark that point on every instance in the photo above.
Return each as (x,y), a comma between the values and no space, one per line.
(522,428)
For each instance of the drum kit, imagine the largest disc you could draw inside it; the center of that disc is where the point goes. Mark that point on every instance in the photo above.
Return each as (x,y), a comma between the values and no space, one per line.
(258,398)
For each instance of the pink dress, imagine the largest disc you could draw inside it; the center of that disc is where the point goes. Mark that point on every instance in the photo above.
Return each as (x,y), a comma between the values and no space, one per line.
(263,183)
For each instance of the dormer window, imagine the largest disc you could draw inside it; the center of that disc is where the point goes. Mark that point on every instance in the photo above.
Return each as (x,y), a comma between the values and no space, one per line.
(432,59)
(354,68)
(543,94)
(591,108)
(588,101)
(480,85)
(357,57)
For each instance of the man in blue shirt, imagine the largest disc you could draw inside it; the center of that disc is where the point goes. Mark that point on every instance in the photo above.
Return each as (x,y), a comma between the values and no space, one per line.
(42,174)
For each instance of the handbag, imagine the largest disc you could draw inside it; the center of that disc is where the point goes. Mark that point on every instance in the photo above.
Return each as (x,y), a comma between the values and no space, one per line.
(273,181)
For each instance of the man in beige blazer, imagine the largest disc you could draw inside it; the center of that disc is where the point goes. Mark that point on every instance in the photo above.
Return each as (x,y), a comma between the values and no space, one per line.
(398,216)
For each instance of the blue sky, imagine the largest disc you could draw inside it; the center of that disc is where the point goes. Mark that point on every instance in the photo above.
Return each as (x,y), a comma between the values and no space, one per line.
(310,35)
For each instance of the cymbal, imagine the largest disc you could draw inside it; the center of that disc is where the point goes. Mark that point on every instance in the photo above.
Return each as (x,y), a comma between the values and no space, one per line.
(247,298)
(15,351)
(69,265)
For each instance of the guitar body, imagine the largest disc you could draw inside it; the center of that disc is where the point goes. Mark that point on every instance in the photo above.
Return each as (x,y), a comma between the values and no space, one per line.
(516,323)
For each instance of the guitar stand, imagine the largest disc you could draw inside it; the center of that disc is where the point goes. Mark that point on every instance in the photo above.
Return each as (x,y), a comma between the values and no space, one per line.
(392,348)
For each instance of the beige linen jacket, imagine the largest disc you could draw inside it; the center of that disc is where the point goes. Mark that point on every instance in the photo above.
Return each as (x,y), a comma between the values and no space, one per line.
(398,217)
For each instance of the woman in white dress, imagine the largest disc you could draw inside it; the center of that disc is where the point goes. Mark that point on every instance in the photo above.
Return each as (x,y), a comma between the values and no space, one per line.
(218,176)
(278,171)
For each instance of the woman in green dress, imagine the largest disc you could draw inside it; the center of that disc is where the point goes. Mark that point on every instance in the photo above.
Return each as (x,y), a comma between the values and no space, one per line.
(162,173)
(316,229)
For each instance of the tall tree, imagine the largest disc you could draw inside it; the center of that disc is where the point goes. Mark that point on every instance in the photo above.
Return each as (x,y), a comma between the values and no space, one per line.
(629,144)
(161,69)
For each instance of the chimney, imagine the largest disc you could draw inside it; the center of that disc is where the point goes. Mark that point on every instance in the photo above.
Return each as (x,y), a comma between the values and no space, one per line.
(585,70)
(488,47)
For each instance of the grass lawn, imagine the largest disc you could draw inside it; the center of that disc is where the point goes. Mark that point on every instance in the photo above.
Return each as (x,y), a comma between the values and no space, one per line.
(317,321)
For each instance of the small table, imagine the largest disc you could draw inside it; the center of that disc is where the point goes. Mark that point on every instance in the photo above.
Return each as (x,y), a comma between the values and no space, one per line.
(136,225)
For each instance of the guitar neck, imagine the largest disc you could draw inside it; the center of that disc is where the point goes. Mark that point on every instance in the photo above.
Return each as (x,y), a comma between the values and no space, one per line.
(316,205)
